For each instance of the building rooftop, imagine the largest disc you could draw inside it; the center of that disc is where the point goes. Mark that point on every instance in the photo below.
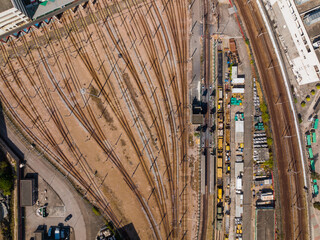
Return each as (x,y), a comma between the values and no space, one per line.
(312,17)
(48,6)
(5,5)
(306,65)
(26,195)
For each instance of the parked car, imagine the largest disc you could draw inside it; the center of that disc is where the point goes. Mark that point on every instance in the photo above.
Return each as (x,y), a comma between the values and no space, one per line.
(68,218)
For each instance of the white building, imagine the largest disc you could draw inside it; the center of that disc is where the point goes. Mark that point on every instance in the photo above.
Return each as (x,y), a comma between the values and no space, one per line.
(12,15)
(305,65)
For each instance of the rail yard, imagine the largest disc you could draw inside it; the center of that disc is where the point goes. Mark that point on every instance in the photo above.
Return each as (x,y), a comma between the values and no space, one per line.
(172,119)
(101,90)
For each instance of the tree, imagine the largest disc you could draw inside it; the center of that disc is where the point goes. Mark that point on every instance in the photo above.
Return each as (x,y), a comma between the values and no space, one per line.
(315,175)
(313,92)
(6,178)
(265,117)
(316,205)
(308,98)
(303,104)
(318,86)
(269,141)
(268,164)
(263,107)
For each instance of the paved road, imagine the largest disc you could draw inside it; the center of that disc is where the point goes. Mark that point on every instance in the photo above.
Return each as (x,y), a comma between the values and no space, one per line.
(247,154)
(57,181)
(195,49)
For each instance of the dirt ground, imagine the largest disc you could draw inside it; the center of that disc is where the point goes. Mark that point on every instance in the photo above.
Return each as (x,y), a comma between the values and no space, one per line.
(105,99)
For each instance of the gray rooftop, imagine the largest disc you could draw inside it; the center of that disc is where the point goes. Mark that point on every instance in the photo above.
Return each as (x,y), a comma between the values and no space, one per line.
(26,192)
(48,6)
(5,5)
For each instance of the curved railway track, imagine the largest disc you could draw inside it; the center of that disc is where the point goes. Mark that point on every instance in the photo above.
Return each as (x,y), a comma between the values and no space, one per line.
(292,195)
(168,63)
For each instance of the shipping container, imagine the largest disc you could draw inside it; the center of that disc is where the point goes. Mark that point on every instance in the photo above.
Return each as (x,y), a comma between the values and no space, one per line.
(310,153)
(316,122)
(308,140)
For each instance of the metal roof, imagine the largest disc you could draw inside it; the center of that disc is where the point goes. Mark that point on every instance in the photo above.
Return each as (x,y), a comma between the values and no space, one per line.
(312,17)
(48,6)
(26,195)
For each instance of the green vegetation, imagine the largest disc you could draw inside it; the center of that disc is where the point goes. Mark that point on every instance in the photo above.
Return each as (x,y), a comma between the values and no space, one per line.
(268,165)
(303,104)
(313,92)
(6,178)
(308,98)
(197,134)
(318,86)
(295,99)
(263,107)
(265,115)
(247,41)
(269,141)
(5,228)
(315,175)
(316,205)
(300,118)
(96,211)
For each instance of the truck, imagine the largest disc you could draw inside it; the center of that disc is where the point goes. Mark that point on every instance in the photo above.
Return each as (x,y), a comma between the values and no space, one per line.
(239,184)
(266,197)
(220,93)
(57,234)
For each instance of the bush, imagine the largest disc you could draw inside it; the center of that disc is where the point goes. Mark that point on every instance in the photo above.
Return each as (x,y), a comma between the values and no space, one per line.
(269,141)
(295,99)
(316,205)
(6,178)
(315,175)
(313,92)
(303,104)
(263,107)
(96,211)
(268,165)
(265,117)
(308,98)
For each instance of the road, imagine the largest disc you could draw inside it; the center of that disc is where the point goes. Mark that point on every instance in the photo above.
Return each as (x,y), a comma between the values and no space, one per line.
(195,49)
(57,181)
(286,142)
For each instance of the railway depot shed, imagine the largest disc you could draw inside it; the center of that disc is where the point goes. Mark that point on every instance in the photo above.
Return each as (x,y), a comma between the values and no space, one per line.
(27,192)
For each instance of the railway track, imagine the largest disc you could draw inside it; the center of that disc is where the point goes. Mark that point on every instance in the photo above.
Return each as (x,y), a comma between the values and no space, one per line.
(285,141)
(168,61)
